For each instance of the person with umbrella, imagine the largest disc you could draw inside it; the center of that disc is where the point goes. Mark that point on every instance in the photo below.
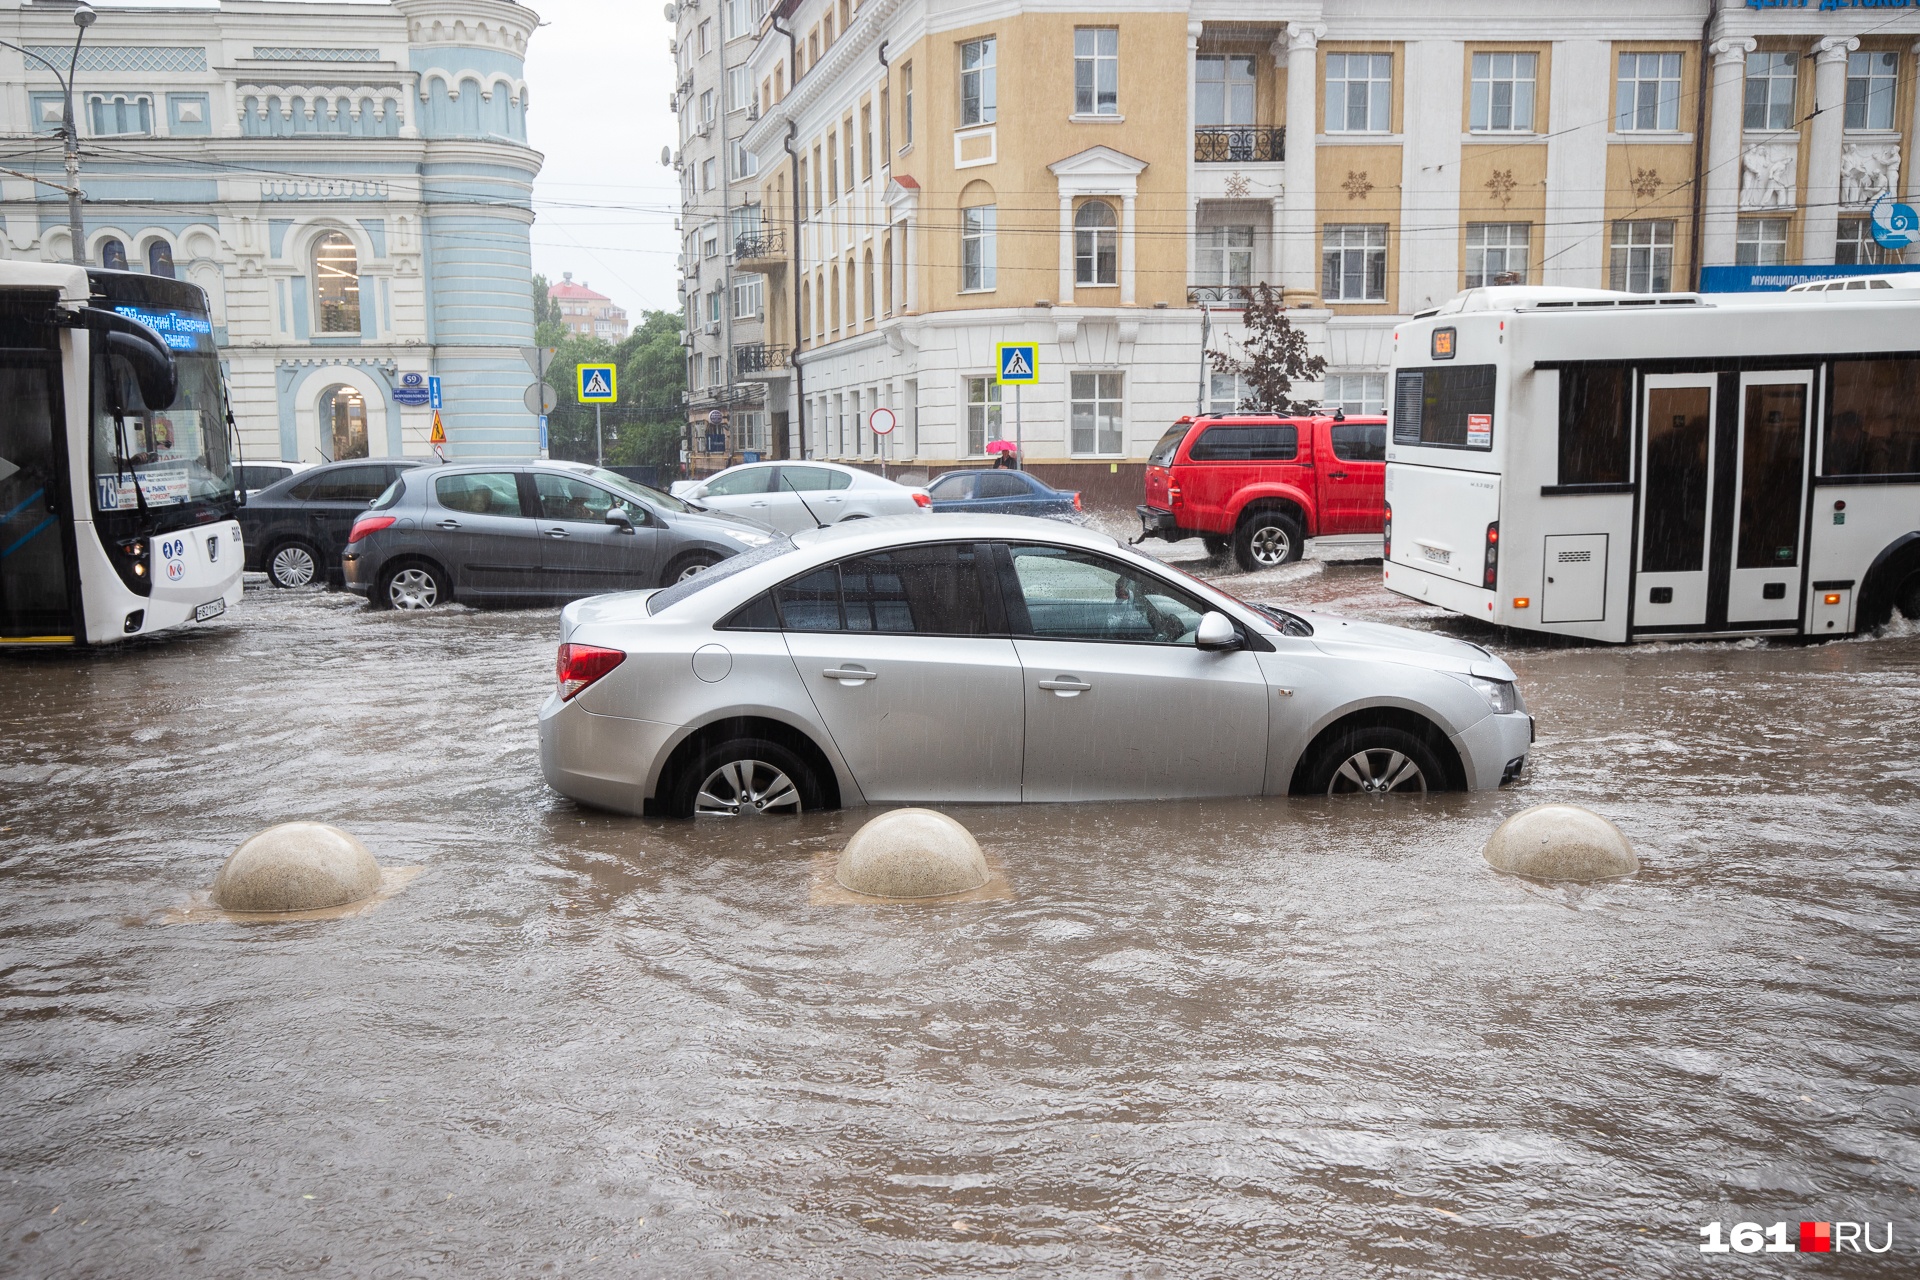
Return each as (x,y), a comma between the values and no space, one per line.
(1007,455)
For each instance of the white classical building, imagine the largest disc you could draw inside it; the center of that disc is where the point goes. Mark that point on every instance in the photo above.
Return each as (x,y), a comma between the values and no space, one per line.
(349,182)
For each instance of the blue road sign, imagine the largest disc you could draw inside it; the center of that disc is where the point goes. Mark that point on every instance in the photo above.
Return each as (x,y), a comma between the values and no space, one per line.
(543,433)
(1018,363)
(433,393)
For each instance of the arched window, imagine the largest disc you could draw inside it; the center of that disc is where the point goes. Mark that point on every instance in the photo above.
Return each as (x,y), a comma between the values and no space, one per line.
(806,311)
(1096,244)
(343,423)
(160,259)
(336,283)
(113,255)
(979,251)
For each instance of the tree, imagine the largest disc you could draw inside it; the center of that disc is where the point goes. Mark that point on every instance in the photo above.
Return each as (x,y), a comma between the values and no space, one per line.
(1273,355)
(548,327)
(644,428)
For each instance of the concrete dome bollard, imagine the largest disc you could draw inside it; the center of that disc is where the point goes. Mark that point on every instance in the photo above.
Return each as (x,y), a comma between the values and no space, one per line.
(1560,842)
(912,853)
(297,866)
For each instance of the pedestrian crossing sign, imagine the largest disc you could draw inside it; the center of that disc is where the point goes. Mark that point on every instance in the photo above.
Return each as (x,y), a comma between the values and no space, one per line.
(597,383)
(1018,363)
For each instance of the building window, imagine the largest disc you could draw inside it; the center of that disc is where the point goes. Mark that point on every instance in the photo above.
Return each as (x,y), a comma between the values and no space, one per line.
(1096,71)
(706,106)
(846,133)
(1359,92)
(1223,91)
(1356,392)
(706,174)
(160,259)
(336,278)
(746,298)
(739,88)
(1871,77)
(1095,413)
(716,377)
(1762,242)
(1771,81)
(709,243)
(977,248)
(978,93)
(746,222)
(706,36)
(1856,246)
(1642,256)
(1353,263)
(906,105)
(866,142)
(1497,253)
(1226,255)
(1096,244)
(113,255)
(745,163)
(983,415)
(120,114)
(1648,93)
(713,306)
(1225,392)
(343,418)
(833,168)
(1503,92)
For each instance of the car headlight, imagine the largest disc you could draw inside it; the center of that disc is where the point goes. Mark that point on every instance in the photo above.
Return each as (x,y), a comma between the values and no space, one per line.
(1501,695)
(749,538)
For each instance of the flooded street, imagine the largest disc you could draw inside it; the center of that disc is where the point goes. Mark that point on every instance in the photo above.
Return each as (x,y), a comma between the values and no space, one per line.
(1275,1037)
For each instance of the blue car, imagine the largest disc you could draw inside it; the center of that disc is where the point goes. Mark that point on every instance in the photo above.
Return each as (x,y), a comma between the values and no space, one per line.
(999,491)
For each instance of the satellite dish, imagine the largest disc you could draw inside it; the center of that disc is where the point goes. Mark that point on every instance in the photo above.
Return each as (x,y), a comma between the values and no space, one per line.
(666,157)
(673,13)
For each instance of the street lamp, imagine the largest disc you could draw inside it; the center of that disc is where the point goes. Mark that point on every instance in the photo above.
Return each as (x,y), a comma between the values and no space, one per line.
(83,17)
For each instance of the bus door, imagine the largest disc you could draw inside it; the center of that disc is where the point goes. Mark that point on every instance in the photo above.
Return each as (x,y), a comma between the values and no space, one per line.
(1770,495)
(1676,463)
(35,601)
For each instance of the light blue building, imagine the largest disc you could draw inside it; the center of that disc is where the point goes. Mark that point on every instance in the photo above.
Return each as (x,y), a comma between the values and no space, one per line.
(350,183)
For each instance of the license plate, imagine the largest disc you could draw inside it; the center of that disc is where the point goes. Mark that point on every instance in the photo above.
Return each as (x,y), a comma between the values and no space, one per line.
(211,609)
(1438,556)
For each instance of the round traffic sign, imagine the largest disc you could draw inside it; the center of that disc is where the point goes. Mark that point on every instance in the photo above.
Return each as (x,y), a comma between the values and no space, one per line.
(541,398)
(882,421)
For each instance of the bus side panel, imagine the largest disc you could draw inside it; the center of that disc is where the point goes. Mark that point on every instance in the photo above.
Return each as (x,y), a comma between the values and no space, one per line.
(1440,519)
(1840,549)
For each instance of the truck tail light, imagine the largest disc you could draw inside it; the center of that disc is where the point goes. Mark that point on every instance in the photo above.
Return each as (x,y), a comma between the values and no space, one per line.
(580,665)
(369,524)
(1386,534)
(1173,495)
(1493,556)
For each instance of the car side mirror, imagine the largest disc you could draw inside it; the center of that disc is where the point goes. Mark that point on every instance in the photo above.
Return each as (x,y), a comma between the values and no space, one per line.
(1216,631)
(618,517)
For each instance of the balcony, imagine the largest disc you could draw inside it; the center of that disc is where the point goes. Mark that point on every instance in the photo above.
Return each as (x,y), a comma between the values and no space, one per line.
(759,358)
(1239,144)
(763,251)
(728,397)
(1231,297)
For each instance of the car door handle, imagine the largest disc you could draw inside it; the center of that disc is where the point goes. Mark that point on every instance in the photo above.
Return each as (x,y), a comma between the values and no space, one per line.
(449,524)
(558,533)
(1336,475)
(852,675)
(758,502)
(1065,686)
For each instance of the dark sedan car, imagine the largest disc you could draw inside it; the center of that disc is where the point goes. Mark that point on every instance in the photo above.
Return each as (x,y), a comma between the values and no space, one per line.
(1001,492)
(498,532)
(296,528)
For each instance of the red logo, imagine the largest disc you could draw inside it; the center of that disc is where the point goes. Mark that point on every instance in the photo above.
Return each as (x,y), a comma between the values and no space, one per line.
(1816,1237)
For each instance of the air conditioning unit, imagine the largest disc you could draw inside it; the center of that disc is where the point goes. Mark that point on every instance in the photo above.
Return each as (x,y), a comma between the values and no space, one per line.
(712,330)
(706,127)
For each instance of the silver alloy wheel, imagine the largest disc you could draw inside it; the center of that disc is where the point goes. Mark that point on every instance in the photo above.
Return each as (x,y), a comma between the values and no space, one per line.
(1270,546)
(691,570)
(413,589)
(293,566)
(1378,771)
(746,787)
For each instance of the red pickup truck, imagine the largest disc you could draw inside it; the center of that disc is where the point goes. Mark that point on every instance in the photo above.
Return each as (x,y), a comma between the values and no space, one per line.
(1263,484)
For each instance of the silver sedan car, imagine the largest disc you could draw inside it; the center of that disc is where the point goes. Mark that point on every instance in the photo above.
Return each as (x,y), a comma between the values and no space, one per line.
(998,658)
(792,496)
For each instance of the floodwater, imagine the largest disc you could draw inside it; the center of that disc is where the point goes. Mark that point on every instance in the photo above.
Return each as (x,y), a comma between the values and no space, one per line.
(1287,1038)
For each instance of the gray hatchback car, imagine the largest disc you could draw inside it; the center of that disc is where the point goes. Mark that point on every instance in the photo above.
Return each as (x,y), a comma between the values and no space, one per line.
(550,531)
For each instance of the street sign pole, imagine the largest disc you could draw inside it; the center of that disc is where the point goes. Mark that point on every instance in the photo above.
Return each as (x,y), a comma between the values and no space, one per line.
(1019,461)
(599,444)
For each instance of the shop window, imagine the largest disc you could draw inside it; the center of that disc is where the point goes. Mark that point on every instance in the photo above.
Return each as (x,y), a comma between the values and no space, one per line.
(336,279)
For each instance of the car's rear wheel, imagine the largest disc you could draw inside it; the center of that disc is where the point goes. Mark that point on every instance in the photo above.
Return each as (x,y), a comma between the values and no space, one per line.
(1216,545)
(1376,760)
(1266,540)
(293,564)
(742,778)
(687,566)
(412,585)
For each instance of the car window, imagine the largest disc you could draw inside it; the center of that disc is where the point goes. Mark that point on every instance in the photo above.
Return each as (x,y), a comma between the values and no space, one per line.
(811,603)
(390,496)
(932,590)
(1162,455)
(951,488)
(809,479)
(483,493)
(1276,442)
(1001,484)
(1360,441)
(734,483)
(256,476)
(566,498)
(1075,595)
(351,484)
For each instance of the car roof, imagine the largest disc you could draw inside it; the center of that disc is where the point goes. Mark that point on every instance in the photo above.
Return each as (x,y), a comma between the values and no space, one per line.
(852,535)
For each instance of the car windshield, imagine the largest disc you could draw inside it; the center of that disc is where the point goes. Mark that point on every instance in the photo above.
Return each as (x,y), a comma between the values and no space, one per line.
(1291,624)
(1162,455)
(634,489)
(670,596)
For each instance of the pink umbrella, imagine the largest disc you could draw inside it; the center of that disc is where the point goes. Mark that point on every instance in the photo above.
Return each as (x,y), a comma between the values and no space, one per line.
(1000,446)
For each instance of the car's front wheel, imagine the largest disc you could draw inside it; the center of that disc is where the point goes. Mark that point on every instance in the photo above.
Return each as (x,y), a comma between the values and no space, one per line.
(1376,761)
(293,564)
(687,566)
(743,778)
(412,585)
(1267,540)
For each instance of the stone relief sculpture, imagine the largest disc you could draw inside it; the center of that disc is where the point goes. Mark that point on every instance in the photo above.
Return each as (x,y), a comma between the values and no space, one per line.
(1766,177)
(1867,169)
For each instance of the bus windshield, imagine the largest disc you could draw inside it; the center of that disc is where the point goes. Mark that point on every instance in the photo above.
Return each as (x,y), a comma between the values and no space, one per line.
(176,455)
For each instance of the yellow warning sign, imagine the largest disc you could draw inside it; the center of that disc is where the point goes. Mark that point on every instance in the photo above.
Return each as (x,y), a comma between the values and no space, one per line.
(439,432)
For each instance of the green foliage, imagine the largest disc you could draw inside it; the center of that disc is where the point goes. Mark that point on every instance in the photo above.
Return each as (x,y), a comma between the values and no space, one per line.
(1273,355)
(644,428)
(548,327)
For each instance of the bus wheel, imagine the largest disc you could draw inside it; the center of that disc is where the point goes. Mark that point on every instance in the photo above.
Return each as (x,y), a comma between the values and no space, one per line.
(293,564)
(1266,540)
(411,585)
(1909,597)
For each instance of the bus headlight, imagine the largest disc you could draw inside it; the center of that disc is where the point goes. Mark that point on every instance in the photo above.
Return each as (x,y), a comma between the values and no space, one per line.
(1501,695)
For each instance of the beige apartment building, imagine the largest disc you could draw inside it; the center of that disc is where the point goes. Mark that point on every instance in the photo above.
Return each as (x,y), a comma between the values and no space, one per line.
(936,178)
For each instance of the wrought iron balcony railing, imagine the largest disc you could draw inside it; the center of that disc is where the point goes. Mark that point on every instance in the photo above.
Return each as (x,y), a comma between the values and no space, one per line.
(1218,295)
(759,246)
(1238,144)
(758,357)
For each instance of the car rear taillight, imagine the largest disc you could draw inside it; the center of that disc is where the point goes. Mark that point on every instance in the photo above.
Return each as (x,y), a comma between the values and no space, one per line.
(1076,502)
(369,524)
(1493,556)
(1173,495)
(922,499)
(580,665)
(1386,534)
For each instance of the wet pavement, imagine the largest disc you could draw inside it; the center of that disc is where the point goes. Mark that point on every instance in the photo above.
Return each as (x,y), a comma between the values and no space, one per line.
(1292,1038)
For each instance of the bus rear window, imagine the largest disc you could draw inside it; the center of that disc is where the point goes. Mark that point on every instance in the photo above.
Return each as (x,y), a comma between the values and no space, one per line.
(1594,406)
(1451,407)
(1873,429)
(1162,455)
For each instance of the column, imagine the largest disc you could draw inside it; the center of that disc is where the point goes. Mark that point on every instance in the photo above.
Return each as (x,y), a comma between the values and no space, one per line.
(1720,226)
(1300,229)
(1126,250)
(1820,199)
(1065,297)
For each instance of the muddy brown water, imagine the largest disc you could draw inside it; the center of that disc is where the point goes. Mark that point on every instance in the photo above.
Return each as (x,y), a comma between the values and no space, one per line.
(1272,1037)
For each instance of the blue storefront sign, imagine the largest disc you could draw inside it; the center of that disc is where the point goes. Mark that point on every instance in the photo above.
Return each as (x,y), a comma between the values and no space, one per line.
(1774,279)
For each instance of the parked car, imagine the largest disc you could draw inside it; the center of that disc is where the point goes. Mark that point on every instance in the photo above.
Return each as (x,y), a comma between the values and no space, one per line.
(492,532)
(1000,491)
(791,496)
(296,527)
(251,477)
(999,658)
(1262,485)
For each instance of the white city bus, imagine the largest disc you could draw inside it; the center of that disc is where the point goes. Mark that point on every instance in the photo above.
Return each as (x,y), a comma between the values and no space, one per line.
(1632,467)
(116,486)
